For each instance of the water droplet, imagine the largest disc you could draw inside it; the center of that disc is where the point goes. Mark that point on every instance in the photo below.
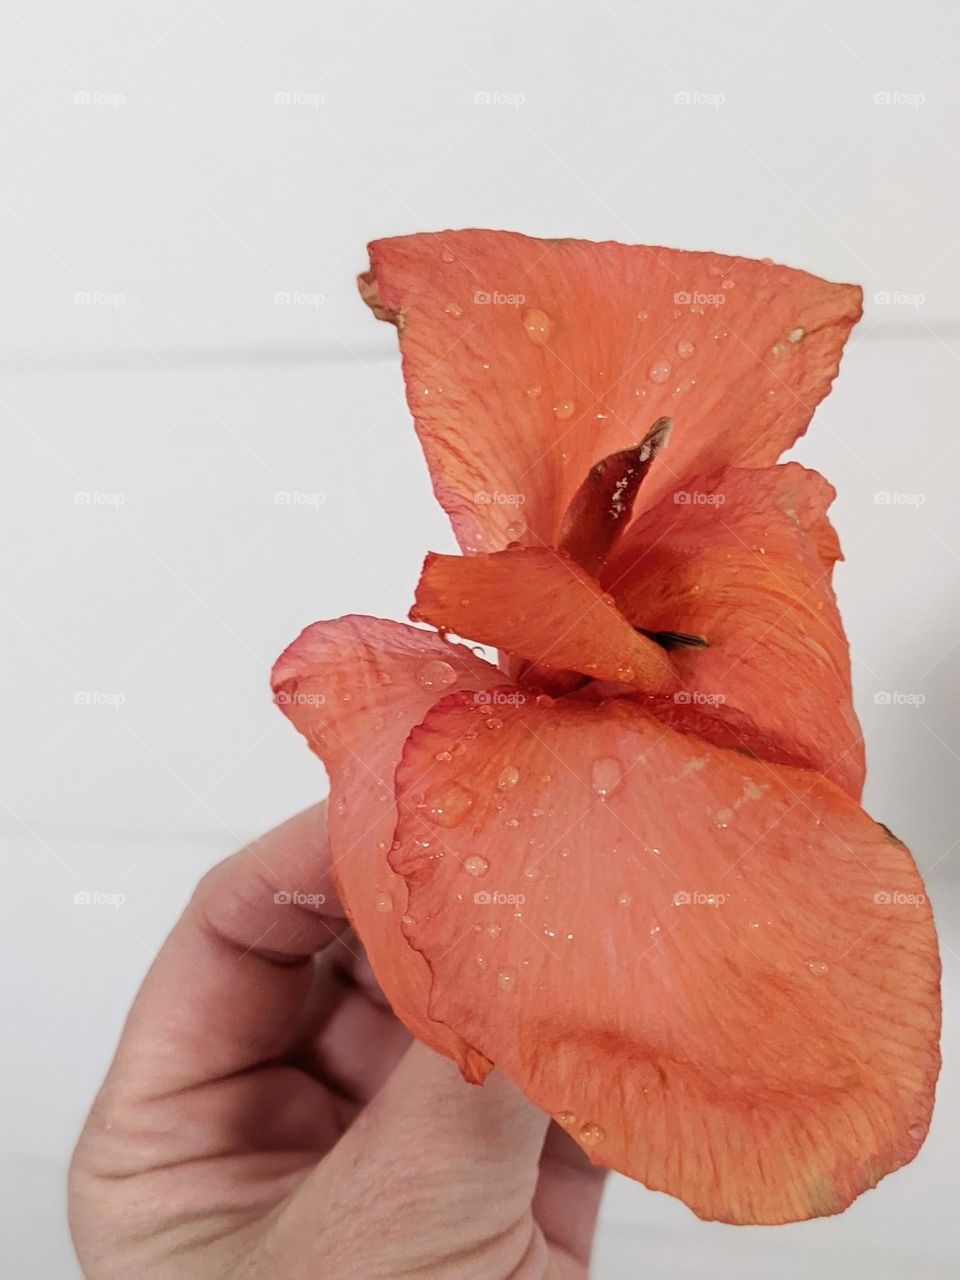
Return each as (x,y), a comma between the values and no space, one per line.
(538,325)
(643,315)
(494,931)
(685,349)
(512,823)
(727,284)
(436,675)
(605,776)
(407,920)
(516,529)
(494,723)
(916,1132)
(448,803)
(509,777)
(550,933)
(447,256)
(777,349)
(754,924)
(443,757)
(625,673)
(476,866)
(384,902)
(533,392)
(384,677)
(624,899)
(565,1118)
(563,410)
(660,371)
(797,335)
(591,1134)
(453,309)
(506,980)
(722,818)
(818,968)
(480,961)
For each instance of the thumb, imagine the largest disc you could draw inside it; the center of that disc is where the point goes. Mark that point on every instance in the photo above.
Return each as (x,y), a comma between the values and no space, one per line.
(434,1174)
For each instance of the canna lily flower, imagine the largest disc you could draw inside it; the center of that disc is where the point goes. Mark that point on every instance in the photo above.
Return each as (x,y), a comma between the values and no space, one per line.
(628,866)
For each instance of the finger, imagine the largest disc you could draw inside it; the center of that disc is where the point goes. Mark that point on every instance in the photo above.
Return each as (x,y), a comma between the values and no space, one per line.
(227,988)
(435,1168)
(568,1195)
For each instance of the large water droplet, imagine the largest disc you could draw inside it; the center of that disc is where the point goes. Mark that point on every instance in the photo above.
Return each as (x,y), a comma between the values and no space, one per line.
(448,803)
(660,371)
(565,1118)
(563,410)
(591,1134)
(436,674)
(605,776)
(537,324)
(509,777)
(476,866)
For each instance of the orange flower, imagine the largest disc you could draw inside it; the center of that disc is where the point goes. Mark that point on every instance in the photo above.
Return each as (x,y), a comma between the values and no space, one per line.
(630,868)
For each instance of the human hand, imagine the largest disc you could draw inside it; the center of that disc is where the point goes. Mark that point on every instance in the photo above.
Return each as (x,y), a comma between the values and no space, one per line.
(267,1118)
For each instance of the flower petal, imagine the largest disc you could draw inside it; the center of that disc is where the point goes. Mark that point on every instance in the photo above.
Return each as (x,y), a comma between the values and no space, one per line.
(539,605)
(720,976)
(527,361)
(747,565)
(354,688)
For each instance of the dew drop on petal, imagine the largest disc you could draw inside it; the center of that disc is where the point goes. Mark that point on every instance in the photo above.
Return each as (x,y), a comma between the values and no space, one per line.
(565,1118)
(660,371)
(517,528)
(509,777)
(685,349)
(533,392)
(506,980)
(625,673)
(537,324)
(383,902)
(818,968)
(436,675)
(476,866)
(797,335)
(453,309)
(447,256)
(591,1135)
(915,1132)
(605,776)
(624,899)
(448,803)
(563,410)
(443,757)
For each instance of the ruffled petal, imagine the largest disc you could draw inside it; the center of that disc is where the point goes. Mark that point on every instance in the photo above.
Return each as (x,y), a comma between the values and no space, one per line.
(720,976)
(746,565)
(354,688)
(539,605)
(527,361)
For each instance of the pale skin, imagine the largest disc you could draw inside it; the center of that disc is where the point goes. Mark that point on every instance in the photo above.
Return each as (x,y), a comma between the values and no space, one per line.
(266,1117)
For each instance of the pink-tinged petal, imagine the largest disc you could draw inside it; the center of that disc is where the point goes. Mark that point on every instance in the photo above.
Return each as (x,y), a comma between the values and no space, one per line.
(719,975)
(354,688)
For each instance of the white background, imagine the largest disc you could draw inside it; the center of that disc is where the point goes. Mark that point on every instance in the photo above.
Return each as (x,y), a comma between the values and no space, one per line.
(145,156)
